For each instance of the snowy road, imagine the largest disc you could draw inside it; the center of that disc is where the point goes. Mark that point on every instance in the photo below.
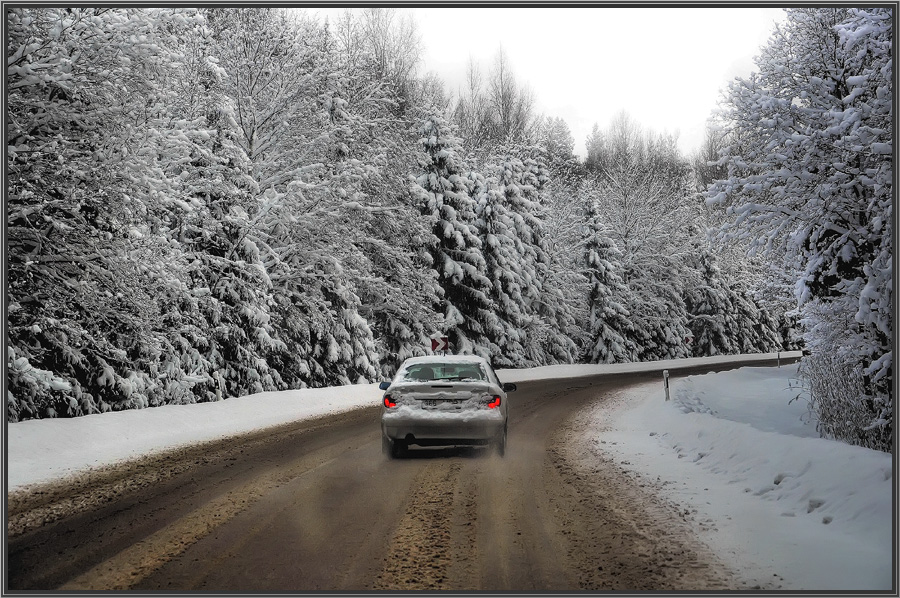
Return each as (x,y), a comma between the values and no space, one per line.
(314,506)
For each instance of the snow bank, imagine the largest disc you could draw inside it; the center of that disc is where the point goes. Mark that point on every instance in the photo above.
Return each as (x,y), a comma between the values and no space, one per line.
(578,370)
(48,449)
(739,451)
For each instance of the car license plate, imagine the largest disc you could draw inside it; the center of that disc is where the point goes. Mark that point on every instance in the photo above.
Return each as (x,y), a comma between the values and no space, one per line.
(436,402)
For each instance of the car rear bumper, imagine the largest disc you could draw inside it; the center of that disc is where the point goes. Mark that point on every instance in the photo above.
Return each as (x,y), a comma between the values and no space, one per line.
(443,430)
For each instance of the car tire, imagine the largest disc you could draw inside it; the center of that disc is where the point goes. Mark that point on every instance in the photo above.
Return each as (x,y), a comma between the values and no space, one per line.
(392,449)
(501,443)
(399,449)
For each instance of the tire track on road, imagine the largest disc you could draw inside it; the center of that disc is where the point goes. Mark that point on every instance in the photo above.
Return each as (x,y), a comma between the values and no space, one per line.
(422,551)
(132,565)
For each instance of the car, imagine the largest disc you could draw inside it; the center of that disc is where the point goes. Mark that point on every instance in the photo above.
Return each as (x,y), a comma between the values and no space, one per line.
(448,400)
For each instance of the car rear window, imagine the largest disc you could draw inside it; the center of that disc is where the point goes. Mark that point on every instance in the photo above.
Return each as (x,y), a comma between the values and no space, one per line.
(421,372)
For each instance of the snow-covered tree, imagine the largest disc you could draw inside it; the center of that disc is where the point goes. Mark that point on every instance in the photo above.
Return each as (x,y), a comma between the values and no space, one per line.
(386,255)
(502,252)
(641,190)
(511,104)
(393,48)
(274,76)
(724,315)
(442,193)
(610,335)
(470,113)
(89,207)
(555,137)
(285,100)
(709,307)
(810,175)
(520,179)
(563,225)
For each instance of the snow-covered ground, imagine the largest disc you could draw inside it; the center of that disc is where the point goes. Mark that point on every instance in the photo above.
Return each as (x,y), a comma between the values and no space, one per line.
(774,500)
(49,449)
(730,445)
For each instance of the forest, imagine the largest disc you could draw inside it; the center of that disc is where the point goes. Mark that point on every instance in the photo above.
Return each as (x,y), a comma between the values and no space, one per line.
(206,203)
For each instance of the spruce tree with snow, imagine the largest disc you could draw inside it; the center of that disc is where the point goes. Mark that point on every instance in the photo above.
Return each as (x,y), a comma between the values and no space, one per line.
(753,300)
(306,200)
(517,179)
(712,322)
(809,174)
(609,329)
(724,317)
(442,194)
(552,308)
(563,227)
(556,138)
(94,278)
(503,267)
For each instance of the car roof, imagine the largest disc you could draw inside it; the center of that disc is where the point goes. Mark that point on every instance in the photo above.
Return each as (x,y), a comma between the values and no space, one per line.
(476,359)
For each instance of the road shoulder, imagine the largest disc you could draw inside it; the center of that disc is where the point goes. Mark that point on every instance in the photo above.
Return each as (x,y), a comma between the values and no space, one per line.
(678,559)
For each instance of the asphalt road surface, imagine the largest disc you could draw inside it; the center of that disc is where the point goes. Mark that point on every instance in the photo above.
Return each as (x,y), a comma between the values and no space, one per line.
(315,506)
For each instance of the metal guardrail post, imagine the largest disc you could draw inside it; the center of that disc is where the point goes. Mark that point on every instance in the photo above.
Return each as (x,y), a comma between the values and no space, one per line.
(666,382)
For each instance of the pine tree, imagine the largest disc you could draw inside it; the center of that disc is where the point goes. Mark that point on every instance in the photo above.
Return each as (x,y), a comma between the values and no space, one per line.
(707,300)
(556,138)
(563,225)
(375,145)
(442,194)
(503,267)
(553,320)
(306,200)
(610,331)
(511,227)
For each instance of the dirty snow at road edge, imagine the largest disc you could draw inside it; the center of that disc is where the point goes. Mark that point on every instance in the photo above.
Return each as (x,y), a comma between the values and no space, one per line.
(749,440)
(741,459)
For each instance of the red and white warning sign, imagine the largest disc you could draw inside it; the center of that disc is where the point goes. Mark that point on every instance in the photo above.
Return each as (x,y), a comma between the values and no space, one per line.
(440,344)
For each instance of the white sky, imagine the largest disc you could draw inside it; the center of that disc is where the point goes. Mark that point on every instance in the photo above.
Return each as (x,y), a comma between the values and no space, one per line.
(665,67)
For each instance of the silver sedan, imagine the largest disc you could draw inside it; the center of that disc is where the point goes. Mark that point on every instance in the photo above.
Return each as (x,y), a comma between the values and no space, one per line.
(444,401)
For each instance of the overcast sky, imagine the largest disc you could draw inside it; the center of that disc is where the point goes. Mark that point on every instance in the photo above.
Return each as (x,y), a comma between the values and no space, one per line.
(665,67)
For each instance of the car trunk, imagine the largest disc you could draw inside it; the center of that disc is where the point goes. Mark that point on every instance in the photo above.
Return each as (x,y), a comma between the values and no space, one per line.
(441,395)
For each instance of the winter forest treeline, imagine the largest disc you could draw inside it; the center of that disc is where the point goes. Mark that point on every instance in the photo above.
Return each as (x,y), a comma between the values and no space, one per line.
(207,203)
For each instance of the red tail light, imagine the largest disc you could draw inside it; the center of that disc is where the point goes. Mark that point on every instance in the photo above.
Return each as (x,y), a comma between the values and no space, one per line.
(388,402)
(495,403)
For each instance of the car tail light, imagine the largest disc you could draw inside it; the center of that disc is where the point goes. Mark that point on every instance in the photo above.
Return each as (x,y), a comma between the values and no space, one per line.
(495,402)
(388,402)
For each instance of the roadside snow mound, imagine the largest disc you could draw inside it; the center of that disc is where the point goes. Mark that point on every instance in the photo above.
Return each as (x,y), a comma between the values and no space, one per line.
(740,450)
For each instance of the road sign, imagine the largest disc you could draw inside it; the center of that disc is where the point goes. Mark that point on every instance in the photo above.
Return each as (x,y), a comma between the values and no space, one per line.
(440,344)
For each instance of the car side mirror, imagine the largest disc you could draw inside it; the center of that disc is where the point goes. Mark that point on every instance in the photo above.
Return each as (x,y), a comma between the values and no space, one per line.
(384,385)
(508,387)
